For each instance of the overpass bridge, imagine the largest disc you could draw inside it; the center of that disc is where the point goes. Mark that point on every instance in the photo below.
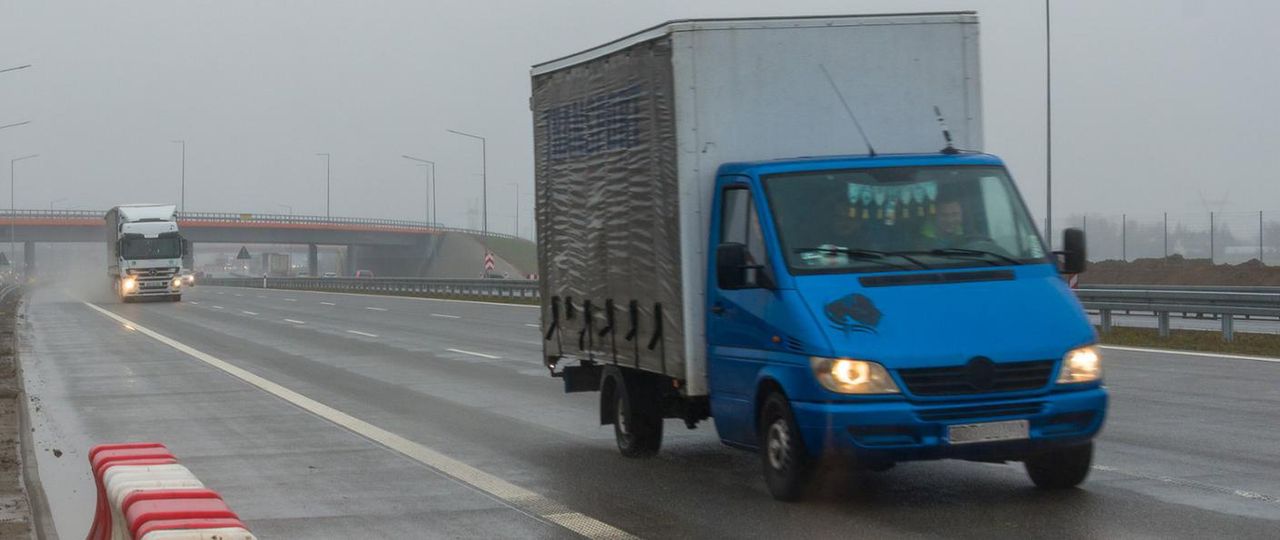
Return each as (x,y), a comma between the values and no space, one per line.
(385,246)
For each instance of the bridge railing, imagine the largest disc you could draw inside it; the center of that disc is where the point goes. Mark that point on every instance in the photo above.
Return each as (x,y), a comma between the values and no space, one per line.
(266,219)
(498,289)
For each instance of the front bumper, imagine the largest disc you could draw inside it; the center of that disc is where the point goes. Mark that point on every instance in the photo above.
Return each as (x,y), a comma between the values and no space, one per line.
(904,431)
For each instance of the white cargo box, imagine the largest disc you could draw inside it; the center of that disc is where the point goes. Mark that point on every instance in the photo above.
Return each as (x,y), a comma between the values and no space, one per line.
(628,137)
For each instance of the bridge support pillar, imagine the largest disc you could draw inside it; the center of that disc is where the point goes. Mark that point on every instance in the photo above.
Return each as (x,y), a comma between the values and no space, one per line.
(313,260)
(29,258)
(349,262)
(189,255)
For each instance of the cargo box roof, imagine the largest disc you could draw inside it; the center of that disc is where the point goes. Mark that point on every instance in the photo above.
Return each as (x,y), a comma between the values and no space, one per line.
(857,162)
(684,25)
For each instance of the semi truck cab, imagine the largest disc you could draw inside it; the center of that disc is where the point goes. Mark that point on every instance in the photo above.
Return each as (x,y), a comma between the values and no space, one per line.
(894,308)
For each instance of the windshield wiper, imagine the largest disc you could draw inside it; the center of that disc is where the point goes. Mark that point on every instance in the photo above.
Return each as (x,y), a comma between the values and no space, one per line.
(971,253)
(867,255)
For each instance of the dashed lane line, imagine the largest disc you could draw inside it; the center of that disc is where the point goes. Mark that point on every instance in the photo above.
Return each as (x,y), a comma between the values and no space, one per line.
(376,308)
(295,321)
(247,312)
(516,497)
(443,316)
(359,333)
(481,355)
(329,303)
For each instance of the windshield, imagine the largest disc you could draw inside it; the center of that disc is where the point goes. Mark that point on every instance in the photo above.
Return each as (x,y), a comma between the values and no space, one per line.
(869,220)
(151,248)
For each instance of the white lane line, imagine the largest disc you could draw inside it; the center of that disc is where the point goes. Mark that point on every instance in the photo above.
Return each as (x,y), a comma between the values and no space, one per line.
(517,497)
(533,325)
(329,303)
(290,299)
(239,295)
(221,293)
(217,307)
(295,322)
(1192,353)
(359,333)
(259,296)
(1192,484)
(481,355)
(502,304)
(194,303)
(247,312)
(443,316)
(376,308)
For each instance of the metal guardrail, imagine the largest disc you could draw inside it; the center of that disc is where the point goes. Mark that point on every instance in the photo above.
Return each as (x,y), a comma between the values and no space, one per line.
(1223,303)
(498,289)
(266,219)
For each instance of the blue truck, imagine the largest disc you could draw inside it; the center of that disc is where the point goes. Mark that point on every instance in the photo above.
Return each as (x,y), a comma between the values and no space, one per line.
(863,307)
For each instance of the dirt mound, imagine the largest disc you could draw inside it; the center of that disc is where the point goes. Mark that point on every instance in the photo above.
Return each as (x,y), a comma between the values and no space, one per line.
(1176,270)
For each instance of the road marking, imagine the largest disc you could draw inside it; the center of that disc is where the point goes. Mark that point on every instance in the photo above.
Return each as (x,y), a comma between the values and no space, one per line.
(502,304)
(290,299)
(481,355)
(1192,353)
(329,303)
(247,312)
(376,308)
(516,497)
(194,303)
(1191,483)
(222,293)
(443,316)
(217,307)
(359,333)
(533,325)
(238,295)
(295,322)
(259,296)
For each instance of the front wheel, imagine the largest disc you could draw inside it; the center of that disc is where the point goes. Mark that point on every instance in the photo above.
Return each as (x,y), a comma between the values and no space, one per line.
(175,298)
(637,422)
(1061,469)
(785,460)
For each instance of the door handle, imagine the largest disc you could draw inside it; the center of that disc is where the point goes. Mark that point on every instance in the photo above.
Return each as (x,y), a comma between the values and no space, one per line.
(717,308)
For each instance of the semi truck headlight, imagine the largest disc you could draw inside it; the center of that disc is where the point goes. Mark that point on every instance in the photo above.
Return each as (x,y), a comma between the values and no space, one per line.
(1081,365)
(847,376)
(129,284)
(177,282)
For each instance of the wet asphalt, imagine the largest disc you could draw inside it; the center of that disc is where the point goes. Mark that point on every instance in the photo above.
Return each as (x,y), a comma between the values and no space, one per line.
(1191,448)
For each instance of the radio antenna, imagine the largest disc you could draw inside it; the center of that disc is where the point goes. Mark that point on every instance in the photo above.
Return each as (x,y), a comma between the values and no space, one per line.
(946,133)
(870,151)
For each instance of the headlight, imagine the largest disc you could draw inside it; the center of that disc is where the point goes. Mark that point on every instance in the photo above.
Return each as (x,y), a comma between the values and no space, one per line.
(852,376)
(129,284)
(1081,365)
(177,282)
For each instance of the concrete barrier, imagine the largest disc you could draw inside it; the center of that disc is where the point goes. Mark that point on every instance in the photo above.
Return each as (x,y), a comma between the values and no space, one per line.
(145,494)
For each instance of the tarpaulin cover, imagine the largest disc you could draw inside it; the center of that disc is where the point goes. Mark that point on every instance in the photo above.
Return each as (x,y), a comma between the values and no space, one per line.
(607,208)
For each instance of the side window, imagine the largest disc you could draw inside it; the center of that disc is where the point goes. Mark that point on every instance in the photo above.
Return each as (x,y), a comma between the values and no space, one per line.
(740,224)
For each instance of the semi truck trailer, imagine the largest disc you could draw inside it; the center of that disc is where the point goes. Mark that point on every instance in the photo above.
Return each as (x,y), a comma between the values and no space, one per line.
(788,226)
(144,252)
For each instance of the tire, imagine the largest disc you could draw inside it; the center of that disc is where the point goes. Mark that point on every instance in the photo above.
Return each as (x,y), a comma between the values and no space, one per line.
(783,456)
(637,422)
(175,298)
(1060,469)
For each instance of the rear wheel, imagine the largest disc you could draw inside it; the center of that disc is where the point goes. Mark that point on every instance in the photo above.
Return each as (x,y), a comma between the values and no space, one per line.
(783,455)
(637,421)
(1060,469)
(175,298)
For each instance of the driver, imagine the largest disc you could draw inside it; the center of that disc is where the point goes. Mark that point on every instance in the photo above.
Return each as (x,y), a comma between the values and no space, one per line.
(947,229)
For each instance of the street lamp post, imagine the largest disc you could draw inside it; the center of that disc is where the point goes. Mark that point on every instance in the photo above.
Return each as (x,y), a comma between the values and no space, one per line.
(182,204)
(327,184)
(1048,132)
(431,185)
(484,185)
(15,124)
(5,70)
(13,214)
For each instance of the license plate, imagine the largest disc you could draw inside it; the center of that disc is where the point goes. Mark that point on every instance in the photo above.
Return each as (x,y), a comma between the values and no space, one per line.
(1009,430)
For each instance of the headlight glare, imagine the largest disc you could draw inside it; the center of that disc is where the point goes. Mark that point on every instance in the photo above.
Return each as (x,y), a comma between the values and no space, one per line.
(1081,365)
(848,376)
(129,283)
(177,282)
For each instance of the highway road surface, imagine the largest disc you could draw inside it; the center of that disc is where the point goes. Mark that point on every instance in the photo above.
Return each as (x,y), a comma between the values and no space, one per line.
(320,415)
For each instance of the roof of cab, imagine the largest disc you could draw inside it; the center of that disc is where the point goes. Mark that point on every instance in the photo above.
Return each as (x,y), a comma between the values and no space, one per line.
(818,163)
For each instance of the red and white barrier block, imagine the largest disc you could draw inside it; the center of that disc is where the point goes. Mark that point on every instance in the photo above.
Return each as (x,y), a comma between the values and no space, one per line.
(144,494)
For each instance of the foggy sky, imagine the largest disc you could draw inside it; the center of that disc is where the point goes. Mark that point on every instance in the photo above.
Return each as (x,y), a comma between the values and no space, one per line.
(1158,104)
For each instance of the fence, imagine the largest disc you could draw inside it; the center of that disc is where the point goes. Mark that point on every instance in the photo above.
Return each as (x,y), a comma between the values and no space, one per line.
(1223,237)
(498,289)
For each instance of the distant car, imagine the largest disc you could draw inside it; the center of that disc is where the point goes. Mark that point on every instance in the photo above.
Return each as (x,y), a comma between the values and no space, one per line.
(364,274)
(330,274)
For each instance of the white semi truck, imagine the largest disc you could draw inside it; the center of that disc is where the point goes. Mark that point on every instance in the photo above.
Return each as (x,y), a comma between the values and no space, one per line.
(144,251)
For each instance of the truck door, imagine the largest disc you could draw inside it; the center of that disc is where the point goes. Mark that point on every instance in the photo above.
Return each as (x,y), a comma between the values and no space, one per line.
(737,333)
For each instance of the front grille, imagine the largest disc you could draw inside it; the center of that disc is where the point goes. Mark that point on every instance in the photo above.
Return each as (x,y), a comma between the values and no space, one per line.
(956,380)
(942,414)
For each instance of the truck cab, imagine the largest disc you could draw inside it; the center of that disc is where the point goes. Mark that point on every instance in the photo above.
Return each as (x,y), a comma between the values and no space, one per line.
(892,308)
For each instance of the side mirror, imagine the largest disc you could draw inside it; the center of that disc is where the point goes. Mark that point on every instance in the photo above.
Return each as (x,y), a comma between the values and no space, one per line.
(731,266)
(1073,251)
